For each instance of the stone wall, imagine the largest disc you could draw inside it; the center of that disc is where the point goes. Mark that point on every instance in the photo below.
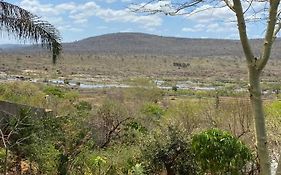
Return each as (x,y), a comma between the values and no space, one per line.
(9,108)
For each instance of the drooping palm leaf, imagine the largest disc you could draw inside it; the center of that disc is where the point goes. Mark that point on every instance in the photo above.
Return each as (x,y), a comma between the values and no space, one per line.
(25,25)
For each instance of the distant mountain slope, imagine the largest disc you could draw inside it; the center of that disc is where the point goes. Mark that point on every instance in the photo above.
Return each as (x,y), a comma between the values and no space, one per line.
(140,43)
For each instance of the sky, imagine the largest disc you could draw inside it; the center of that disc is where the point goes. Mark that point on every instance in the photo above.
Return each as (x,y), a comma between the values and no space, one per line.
(79,19)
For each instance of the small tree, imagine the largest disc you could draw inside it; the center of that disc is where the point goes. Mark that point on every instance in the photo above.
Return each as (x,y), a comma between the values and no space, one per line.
(255,64)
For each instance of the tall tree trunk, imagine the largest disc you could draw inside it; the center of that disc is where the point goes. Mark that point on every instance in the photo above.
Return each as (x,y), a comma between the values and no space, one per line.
(257,105)
(255,67)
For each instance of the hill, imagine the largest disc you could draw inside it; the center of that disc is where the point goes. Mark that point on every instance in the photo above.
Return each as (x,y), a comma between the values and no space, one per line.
(140,43)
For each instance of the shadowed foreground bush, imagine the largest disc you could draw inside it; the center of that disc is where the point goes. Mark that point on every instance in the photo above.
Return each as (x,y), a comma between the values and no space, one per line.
(213,152)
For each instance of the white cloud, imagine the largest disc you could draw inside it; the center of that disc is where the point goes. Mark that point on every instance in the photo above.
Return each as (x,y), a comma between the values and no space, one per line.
(127,16)
(221,20)
(208,14)
(66,7)
(163,6)
(111,15)
(214,27)
(80,13)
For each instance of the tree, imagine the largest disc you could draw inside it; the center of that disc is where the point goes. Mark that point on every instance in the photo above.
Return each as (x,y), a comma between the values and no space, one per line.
(25,25)
(255,64)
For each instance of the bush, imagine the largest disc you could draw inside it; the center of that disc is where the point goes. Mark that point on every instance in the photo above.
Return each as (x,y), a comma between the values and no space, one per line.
(153,110)
(141,94)
(83,106)
(218,152)
(168,151)
(23,93)
(175,88)
(109,123)
(53,90)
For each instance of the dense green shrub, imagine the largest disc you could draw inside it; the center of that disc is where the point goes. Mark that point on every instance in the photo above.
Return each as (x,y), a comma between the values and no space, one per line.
(31,139)
(218,152)
(168,151)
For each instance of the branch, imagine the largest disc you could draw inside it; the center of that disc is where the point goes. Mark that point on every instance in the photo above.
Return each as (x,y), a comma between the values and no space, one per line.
(277,30)
(250,5)
(269,38)
(187,5)
(172,8)
(229,5)
(243,32)
(112,131)
(3,138)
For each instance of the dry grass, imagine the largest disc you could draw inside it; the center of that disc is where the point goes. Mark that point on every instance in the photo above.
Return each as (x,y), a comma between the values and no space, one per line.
(117,68)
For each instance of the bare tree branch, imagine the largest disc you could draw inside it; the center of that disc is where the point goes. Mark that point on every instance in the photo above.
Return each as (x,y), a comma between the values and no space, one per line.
(269,38)
(243,32)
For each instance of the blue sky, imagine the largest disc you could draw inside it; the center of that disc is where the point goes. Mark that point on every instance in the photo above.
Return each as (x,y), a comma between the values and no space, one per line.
(78,19)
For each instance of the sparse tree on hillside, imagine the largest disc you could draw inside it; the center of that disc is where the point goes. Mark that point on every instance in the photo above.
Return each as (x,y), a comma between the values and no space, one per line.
(25,25)
(271,13)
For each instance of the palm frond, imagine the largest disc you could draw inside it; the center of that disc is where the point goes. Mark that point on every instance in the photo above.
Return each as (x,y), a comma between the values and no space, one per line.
(25,25)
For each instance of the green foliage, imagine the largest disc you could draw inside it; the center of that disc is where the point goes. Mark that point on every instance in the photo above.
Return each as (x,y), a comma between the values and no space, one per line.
(117,160)
(185,113)
(97,162)
(137,170)
(2,158)
(141,94)
(53,90)
(111,119)
(136,126)
(153,110)
(45,154)
(168,150)
(218,152)
(142,82)
(273,120)
(174,88)
(23,93)
(141,143)
(24,128)
(32,138)
(83,106)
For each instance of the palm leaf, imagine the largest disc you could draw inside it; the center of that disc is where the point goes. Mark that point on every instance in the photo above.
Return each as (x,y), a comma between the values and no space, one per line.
(25,25)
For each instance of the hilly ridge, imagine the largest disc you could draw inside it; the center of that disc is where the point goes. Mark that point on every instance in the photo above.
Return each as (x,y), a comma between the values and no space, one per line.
(140,43)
